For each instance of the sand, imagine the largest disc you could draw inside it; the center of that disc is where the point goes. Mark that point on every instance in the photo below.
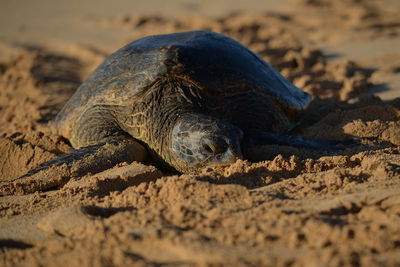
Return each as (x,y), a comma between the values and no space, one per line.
(301,208)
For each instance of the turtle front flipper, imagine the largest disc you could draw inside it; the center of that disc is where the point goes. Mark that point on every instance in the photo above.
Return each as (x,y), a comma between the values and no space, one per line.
(76,163)
(256,142)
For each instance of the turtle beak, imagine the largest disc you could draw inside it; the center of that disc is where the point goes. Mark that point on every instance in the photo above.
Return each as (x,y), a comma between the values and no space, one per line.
(234,151)
(235,155)
(237,151)
(229,156)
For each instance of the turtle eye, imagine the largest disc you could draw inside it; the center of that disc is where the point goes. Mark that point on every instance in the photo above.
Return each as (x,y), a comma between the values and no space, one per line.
(208,148)
(215,146)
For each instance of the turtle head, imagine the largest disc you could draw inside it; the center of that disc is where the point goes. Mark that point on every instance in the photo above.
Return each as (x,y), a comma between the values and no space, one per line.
(199,141)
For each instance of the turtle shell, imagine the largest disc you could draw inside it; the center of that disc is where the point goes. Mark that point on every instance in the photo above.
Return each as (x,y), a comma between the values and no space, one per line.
(218,65)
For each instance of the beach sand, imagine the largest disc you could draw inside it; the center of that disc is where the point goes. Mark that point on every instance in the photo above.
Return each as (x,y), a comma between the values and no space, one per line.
(301,208)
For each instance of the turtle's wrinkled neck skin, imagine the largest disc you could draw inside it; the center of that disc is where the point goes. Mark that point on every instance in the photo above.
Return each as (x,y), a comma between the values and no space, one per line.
(172,116)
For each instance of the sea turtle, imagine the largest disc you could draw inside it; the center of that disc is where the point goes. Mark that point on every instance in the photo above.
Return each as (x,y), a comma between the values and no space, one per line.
(191,99)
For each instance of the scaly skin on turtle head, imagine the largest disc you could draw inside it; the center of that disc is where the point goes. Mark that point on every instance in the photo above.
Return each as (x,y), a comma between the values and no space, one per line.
(198,141)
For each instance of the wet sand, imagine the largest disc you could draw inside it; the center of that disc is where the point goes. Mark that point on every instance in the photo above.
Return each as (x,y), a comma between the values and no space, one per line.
(301,208)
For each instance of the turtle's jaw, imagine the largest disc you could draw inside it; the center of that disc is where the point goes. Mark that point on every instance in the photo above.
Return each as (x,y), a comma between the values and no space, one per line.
(199,141)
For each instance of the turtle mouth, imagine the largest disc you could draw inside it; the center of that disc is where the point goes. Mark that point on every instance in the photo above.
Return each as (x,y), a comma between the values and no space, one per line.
(228,157)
